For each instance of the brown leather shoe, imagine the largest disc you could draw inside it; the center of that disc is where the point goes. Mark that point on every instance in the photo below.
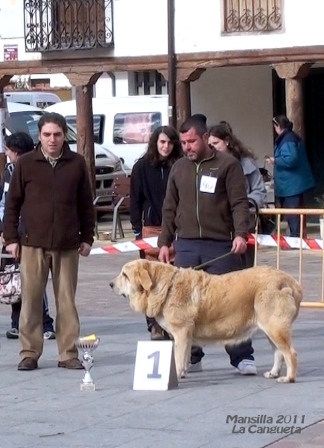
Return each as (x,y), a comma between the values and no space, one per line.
(28,364)
(74,364)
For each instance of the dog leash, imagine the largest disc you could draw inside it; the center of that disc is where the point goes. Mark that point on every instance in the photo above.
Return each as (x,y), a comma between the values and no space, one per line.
(207,263)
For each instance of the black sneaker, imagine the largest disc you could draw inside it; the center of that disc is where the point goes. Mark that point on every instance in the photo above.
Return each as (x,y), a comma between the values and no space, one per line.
(13,333)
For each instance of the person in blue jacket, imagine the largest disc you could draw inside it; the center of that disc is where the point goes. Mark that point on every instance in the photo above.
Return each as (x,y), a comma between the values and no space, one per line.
(292,173)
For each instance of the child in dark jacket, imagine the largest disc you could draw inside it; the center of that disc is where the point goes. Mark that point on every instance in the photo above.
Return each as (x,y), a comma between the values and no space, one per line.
(16,145)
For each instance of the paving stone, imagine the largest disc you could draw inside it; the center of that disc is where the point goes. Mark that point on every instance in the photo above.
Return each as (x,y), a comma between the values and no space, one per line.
(46,408)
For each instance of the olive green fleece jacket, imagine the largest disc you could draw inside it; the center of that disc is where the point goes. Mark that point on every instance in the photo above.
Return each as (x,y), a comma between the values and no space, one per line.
(190,213)
(54,204)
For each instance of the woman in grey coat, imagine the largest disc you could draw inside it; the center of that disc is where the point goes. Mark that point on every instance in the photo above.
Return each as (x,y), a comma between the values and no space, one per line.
(221,138)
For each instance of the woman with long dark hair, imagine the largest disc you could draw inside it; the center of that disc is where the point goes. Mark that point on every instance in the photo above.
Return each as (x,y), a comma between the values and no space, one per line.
(148,187)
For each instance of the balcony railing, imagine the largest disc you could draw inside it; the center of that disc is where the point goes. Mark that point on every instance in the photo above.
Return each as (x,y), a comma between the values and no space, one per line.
(52,25)
(252,16)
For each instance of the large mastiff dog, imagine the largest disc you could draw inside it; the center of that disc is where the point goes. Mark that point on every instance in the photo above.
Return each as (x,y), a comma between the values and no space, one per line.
(198,308)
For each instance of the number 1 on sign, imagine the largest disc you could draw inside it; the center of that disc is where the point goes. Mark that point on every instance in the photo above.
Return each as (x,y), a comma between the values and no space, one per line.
(155,366)
(155,374)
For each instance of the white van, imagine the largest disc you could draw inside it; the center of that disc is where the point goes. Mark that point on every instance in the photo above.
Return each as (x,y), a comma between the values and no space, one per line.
(37,99)
(122,124)
(23,118)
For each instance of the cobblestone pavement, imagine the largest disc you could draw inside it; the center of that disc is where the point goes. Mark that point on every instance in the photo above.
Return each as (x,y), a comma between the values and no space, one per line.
(46,408)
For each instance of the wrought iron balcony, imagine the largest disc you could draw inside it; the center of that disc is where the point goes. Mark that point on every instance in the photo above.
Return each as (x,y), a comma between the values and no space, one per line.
(52,25)
(252,15)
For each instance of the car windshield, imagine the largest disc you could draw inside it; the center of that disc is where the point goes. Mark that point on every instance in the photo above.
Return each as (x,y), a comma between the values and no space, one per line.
(27,121)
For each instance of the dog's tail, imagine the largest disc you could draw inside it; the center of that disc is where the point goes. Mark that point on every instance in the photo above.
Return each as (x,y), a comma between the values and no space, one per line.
(292,293)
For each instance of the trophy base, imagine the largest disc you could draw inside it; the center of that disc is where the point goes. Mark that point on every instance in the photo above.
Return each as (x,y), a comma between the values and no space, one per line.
(87,387)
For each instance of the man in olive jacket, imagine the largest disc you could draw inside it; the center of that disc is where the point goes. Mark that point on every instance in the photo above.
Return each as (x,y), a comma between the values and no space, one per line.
(206,216)
(50,200)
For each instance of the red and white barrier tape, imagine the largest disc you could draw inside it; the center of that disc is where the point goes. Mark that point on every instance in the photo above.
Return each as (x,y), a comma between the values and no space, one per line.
(128,246)
(286,242)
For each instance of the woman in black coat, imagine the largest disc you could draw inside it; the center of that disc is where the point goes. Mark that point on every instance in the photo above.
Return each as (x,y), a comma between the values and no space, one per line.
(148,187)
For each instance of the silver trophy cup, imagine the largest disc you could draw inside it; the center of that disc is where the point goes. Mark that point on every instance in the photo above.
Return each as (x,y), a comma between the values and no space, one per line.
(88,347)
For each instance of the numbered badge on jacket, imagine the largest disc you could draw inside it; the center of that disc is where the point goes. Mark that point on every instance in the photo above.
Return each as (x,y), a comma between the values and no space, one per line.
(208,184)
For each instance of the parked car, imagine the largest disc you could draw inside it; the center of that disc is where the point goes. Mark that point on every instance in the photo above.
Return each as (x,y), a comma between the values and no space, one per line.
(25,118)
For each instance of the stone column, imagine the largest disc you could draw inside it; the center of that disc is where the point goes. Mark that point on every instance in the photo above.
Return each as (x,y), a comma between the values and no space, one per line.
(183,98)
(183,92)
(83,84)
(4,80)
(184,77)
(294,74)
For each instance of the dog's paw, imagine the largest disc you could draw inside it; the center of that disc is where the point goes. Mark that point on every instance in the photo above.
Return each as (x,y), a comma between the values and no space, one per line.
(285,379)
(270,374)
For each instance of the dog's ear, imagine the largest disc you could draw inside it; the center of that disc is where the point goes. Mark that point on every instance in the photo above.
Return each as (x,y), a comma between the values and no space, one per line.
(142,277)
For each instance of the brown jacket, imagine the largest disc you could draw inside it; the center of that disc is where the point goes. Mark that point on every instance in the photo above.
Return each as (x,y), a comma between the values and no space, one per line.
(191,213)
(55,204)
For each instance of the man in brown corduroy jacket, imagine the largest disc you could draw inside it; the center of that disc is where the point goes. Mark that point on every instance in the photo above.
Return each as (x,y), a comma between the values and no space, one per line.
(50,200)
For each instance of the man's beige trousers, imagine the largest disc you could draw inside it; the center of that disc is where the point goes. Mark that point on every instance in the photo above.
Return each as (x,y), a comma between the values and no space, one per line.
(35,265)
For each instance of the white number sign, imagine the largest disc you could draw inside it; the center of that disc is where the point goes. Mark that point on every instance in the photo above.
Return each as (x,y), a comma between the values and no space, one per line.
(155,366)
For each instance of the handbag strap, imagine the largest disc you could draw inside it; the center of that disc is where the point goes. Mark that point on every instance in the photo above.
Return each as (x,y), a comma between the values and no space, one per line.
(256,213)
(255,205)
(10,268)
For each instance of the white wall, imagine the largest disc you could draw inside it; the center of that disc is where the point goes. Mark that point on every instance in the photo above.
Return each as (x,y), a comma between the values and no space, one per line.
(301,24)
(103,87)
(122,83)
(12,29)
(140,28)
(243,97)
